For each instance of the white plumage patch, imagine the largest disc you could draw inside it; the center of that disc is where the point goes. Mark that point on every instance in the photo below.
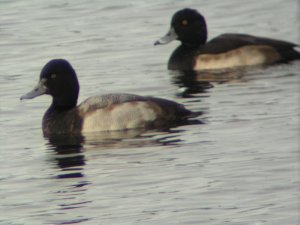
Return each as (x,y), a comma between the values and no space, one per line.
(244,56)
(297,48)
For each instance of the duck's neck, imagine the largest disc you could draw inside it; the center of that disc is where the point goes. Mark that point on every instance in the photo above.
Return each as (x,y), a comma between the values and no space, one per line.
(63,103)
(183,58)
(194,41)
(190,46)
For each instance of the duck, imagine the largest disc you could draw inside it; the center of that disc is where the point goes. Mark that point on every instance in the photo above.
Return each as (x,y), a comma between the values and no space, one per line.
(227,50)
(108,112)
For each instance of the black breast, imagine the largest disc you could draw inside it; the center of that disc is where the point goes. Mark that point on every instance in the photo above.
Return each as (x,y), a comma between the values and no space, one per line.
(61,122)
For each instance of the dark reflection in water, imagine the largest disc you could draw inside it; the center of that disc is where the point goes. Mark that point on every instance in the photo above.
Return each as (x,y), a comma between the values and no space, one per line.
(69,158)
(69,149)
(69,154)
(194,82)
(188,84)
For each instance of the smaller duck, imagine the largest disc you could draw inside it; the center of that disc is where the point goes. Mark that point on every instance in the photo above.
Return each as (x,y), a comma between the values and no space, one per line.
(224,51)
(108,112)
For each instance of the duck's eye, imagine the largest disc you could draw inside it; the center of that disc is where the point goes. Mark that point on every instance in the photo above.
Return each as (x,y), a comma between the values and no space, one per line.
(53,76)
(184,22)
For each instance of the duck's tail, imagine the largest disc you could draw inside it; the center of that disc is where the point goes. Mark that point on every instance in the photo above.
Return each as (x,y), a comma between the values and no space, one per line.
(194,114)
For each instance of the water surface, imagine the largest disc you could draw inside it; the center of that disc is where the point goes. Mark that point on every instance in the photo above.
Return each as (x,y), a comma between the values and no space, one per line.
(239,166)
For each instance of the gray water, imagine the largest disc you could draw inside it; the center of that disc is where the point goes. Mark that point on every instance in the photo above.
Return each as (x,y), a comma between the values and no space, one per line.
(239,165)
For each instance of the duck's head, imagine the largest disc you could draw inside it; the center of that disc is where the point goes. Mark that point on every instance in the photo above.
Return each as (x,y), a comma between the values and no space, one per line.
(187,26)
(59,80)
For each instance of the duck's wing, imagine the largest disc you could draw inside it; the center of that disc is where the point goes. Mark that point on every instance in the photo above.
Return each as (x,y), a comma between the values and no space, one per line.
(103,101)
(230,41)
(168,107)
(127,111)
(224,43)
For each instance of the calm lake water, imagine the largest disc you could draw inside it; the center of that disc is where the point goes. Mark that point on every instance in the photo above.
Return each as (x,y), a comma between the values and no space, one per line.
(239,166)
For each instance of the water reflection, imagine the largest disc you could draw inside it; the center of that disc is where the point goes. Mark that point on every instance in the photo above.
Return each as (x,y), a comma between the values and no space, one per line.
(70,149)
(194,82)
(69,194)
(73,146)
(69,154)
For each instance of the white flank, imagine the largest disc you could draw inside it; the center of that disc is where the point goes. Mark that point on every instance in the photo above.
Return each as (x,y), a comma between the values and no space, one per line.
(297,48)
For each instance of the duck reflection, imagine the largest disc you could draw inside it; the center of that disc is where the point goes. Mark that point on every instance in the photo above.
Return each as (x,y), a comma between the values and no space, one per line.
(138,138)
(70,149)
(69,154)
(73,146)
(194,82)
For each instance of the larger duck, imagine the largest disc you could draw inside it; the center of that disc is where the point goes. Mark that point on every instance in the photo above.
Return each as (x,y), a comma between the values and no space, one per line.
(224,51)
(108,112)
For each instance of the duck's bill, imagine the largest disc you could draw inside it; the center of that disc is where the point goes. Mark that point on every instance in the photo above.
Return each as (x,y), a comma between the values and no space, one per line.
(170,36)
(40,89)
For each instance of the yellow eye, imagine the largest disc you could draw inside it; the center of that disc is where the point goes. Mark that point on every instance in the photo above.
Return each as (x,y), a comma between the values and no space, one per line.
(53,75)
(184,22)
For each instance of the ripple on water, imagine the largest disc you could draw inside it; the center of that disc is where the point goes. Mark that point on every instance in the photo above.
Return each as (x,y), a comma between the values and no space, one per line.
(239,165)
